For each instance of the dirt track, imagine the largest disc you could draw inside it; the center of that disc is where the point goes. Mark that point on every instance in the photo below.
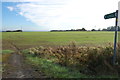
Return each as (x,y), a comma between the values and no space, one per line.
(17,68)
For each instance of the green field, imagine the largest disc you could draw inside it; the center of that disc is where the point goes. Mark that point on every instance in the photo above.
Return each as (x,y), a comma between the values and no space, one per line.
(31,39)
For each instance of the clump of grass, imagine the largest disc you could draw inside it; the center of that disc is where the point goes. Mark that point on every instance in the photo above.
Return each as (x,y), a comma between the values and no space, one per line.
(7,51)
(88,60)
(5,56)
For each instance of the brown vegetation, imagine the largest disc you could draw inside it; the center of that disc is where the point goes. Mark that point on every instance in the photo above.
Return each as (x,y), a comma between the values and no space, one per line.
(88,60)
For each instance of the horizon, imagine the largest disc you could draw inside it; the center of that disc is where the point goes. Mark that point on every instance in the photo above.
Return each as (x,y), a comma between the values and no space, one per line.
(53,29)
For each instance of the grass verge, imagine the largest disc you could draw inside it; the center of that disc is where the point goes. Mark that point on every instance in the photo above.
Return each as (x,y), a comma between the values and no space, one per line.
(53,70)
(7,51)
(5,55)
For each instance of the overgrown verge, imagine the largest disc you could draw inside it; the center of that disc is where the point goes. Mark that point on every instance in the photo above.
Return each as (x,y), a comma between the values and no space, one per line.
(53,70)
(5,56)
(92,61)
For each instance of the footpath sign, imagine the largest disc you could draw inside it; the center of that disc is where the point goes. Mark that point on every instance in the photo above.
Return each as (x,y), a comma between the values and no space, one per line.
(111,15)
(114,15)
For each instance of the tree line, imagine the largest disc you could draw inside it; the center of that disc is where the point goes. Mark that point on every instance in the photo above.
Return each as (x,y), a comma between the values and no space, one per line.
(111,28)
(13,31)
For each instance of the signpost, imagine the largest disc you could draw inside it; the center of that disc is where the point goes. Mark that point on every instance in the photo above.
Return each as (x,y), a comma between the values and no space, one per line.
(118,52)
(114,15)
(115,39)
(119,24)
(111,15)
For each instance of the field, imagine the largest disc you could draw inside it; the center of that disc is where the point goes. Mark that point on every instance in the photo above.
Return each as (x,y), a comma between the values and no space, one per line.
(74,54)
(30,39)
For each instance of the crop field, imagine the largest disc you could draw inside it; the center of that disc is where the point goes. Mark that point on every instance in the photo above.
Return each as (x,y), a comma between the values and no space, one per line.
(30,39)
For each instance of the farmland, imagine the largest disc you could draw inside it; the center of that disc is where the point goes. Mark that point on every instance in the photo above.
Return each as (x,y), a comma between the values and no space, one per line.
(87,54)
(31,39)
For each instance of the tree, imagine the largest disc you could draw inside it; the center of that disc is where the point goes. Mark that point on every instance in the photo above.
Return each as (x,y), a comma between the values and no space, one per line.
(93,30)
(118,28)
(104,29)
(99,30)
(111,28)
(83,29)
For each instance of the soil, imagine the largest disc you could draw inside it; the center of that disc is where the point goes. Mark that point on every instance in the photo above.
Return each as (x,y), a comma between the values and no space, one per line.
(17,68)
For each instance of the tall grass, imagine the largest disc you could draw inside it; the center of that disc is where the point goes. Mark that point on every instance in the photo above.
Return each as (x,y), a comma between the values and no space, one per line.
(87,60)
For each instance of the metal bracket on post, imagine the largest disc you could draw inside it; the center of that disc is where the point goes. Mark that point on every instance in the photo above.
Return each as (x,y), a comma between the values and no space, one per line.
(115,39)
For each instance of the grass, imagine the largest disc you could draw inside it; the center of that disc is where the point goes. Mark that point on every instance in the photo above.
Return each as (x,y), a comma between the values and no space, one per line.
(4,54)
(53,70)
(0,63)
(28,39)
(7,51)
(4,58)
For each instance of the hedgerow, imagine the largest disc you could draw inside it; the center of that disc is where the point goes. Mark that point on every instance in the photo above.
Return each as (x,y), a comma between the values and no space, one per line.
(88,60)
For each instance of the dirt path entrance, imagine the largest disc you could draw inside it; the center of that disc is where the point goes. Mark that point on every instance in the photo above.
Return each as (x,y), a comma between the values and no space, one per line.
(17,68)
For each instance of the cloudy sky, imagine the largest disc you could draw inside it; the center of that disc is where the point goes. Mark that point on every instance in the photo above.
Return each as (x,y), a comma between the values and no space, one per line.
(45,15)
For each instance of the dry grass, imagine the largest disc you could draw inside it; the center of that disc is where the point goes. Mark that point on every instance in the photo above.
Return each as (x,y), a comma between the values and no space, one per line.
(88,60)
(118,53)
(5,57)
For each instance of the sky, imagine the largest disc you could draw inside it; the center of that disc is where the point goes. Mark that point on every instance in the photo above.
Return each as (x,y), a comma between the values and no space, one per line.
(45,15)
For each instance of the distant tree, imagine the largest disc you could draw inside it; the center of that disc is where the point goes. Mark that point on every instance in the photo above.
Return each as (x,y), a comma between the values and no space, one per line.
(8,31)
(72,30)
(53,30)
(18,31)
(111,28)
(83,29)
(78,30)
(104,29)
(99,30)
(118,28)
(14,31)
(93,30)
